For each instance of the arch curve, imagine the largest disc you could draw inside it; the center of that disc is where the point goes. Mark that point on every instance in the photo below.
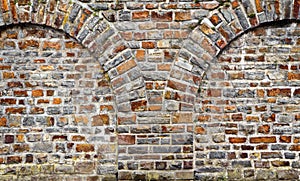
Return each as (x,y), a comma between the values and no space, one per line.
(214,33)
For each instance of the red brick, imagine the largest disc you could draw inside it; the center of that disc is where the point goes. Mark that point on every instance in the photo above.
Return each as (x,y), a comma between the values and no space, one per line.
(78,138)
(285,139)
(177,85)
(148,45)
(271,139)
(20,93)
(214,92)
(14,159)
(14,84)
(72,45)
(139,105)
(293,76)
(5,67)
(295,147)
(161,16)
(140,15)
(126,139)
(200,130)
(279,92)
(39,61)
(237,117)
(85,147)
(265,129)
(47,45)
(183,16)
(28,43)
(215,19)
(8,101)
(12,110)
(237,140)
(296,8)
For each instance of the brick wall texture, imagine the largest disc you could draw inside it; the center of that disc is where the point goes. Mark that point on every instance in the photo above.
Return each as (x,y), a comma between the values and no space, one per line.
(149,90)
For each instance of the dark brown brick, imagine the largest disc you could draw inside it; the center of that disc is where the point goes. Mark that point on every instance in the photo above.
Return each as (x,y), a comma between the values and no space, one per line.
(139,105)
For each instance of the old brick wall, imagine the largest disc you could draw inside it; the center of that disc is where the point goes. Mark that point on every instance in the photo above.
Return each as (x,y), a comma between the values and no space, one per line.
(149,90)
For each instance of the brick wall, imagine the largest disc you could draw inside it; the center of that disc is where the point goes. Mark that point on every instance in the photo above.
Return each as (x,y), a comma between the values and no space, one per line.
(249,112)
(149,90)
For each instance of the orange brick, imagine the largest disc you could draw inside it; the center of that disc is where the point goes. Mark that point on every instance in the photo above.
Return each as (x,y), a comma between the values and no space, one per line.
(139,105)
(237,140)
(57,101)
(285,139)
(3,121)
(140,55)
(124,67)
(183,16)
(46,67)
(295,148)
(140,15)
(85,148)
(78,138)
(28,43)
(293,76)
(37,93)
(148,45)
(51,45)
(271,139)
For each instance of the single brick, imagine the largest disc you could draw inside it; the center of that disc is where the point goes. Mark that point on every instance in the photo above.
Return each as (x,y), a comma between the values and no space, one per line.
(85,147)
(271,139)
(237,140)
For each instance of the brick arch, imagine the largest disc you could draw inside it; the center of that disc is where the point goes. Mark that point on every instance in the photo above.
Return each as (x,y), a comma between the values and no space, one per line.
(249,101)
(212,35)
(94,32)
(52,84)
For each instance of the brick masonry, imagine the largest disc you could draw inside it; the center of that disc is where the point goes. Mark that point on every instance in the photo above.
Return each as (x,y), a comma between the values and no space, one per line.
(140,90)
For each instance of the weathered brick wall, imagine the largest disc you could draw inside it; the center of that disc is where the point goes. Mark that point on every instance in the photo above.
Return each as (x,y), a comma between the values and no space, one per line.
(149,90)
(57,107)
(249,113)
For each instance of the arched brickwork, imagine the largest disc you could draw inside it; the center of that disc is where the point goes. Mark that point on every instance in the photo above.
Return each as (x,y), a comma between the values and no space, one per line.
(55,101)
(249,108)
(155,54)
(90,25)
